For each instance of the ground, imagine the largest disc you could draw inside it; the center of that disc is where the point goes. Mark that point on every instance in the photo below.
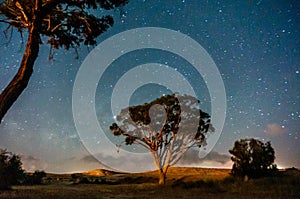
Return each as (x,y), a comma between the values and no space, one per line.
(181,183)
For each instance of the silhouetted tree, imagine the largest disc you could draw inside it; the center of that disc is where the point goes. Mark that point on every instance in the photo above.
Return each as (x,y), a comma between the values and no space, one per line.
(37,177)
(11,172)
(252,158)
(167,127)
(66,23)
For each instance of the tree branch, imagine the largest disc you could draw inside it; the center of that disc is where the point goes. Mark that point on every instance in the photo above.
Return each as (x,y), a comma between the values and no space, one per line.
(170,151)
(57,26)
(4,21)
(156,160)
(87,24)
(163,156)
(22,10)
(143,144)
(14,89)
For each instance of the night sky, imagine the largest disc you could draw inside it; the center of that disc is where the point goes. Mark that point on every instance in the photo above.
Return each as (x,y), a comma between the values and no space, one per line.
(255,46)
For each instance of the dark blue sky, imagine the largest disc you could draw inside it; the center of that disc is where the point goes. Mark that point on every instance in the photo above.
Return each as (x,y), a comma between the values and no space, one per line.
(255,46)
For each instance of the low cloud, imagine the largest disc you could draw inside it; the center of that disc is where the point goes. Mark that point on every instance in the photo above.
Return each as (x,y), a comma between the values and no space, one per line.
(72,164)
(213,159)
(31,164)
(121,162)
(275,129)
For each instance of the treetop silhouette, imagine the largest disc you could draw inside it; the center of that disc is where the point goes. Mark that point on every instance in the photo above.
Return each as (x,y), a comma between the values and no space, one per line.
(252,158)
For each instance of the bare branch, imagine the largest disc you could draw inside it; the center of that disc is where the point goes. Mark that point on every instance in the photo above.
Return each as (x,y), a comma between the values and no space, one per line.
(163,156)
(49,22)
(178,155)
(76,52)
(87,23)
(4,21)
(5,32)
(23,13)
(143,144)
(57,26)
(170,151)
(156,159)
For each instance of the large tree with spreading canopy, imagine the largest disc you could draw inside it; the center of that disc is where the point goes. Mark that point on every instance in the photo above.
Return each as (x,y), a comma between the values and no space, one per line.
(167,127)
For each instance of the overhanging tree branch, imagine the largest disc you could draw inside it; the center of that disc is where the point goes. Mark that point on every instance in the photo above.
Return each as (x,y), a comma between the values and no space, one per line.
(51,18)
(21,79)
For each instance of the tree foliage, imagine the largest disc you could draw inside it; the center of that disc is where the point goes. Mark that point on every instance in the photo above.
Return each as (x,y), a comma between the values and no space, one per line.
(62,23)
(167,127)
(67,23)
(35,178)
(11,172)
(252,158)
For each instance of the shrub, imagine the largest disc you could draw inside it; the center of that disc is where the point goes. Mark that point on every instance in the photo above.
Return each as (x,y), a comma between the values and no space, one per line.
(11,172)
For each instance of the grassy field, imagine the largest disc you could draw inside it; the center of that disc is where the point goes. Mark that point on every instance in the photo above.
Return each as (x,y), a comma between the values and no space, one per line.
(181,183)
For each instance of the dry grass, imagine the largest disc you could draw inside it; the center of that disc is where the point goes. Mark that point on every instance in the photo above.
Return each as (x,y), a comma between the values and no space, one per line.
(181,183)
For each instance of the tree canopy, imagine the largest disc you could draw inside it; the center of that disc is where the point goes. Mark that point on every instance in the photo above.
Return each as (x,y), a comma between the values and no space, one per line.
(167,127)
(63,23)
(67,23)
(252,158)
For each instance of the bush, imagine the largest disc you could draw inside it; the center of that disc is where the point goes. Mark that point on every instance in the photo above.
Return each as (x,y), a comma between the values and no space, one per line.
(11,172)
(37,177)
(84,180)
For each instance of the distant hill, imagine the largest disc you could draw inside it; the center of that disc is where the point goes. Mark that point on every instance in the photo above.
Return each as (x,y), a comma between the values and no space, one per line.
(174,173)
(100,172)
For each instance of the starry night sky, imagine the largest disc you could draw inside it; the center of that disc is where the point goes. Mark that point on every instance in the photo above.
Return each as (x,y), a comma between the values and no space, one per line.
(255,46)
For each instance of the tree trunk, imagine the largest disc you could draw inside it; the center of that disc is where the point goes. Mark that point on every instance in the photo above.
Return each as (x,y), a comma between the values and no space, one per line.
(162,178)
(20,81)
(163,175)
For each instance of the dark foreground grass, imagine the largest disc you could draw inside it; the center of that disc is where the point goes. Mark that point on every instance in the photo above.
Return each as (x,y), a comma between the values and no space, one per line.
(282,186)
(285,185)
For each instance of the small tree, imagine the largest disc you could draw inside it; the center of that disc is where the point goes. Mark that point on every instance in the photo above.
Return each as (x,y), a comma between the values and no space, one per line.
(37,177)
(167,127)
(11,172)
(252,158)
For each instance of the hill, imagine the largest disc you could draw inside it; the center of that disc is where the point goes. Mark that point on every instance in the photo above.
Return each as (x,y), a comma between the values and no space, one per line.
(100,172)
